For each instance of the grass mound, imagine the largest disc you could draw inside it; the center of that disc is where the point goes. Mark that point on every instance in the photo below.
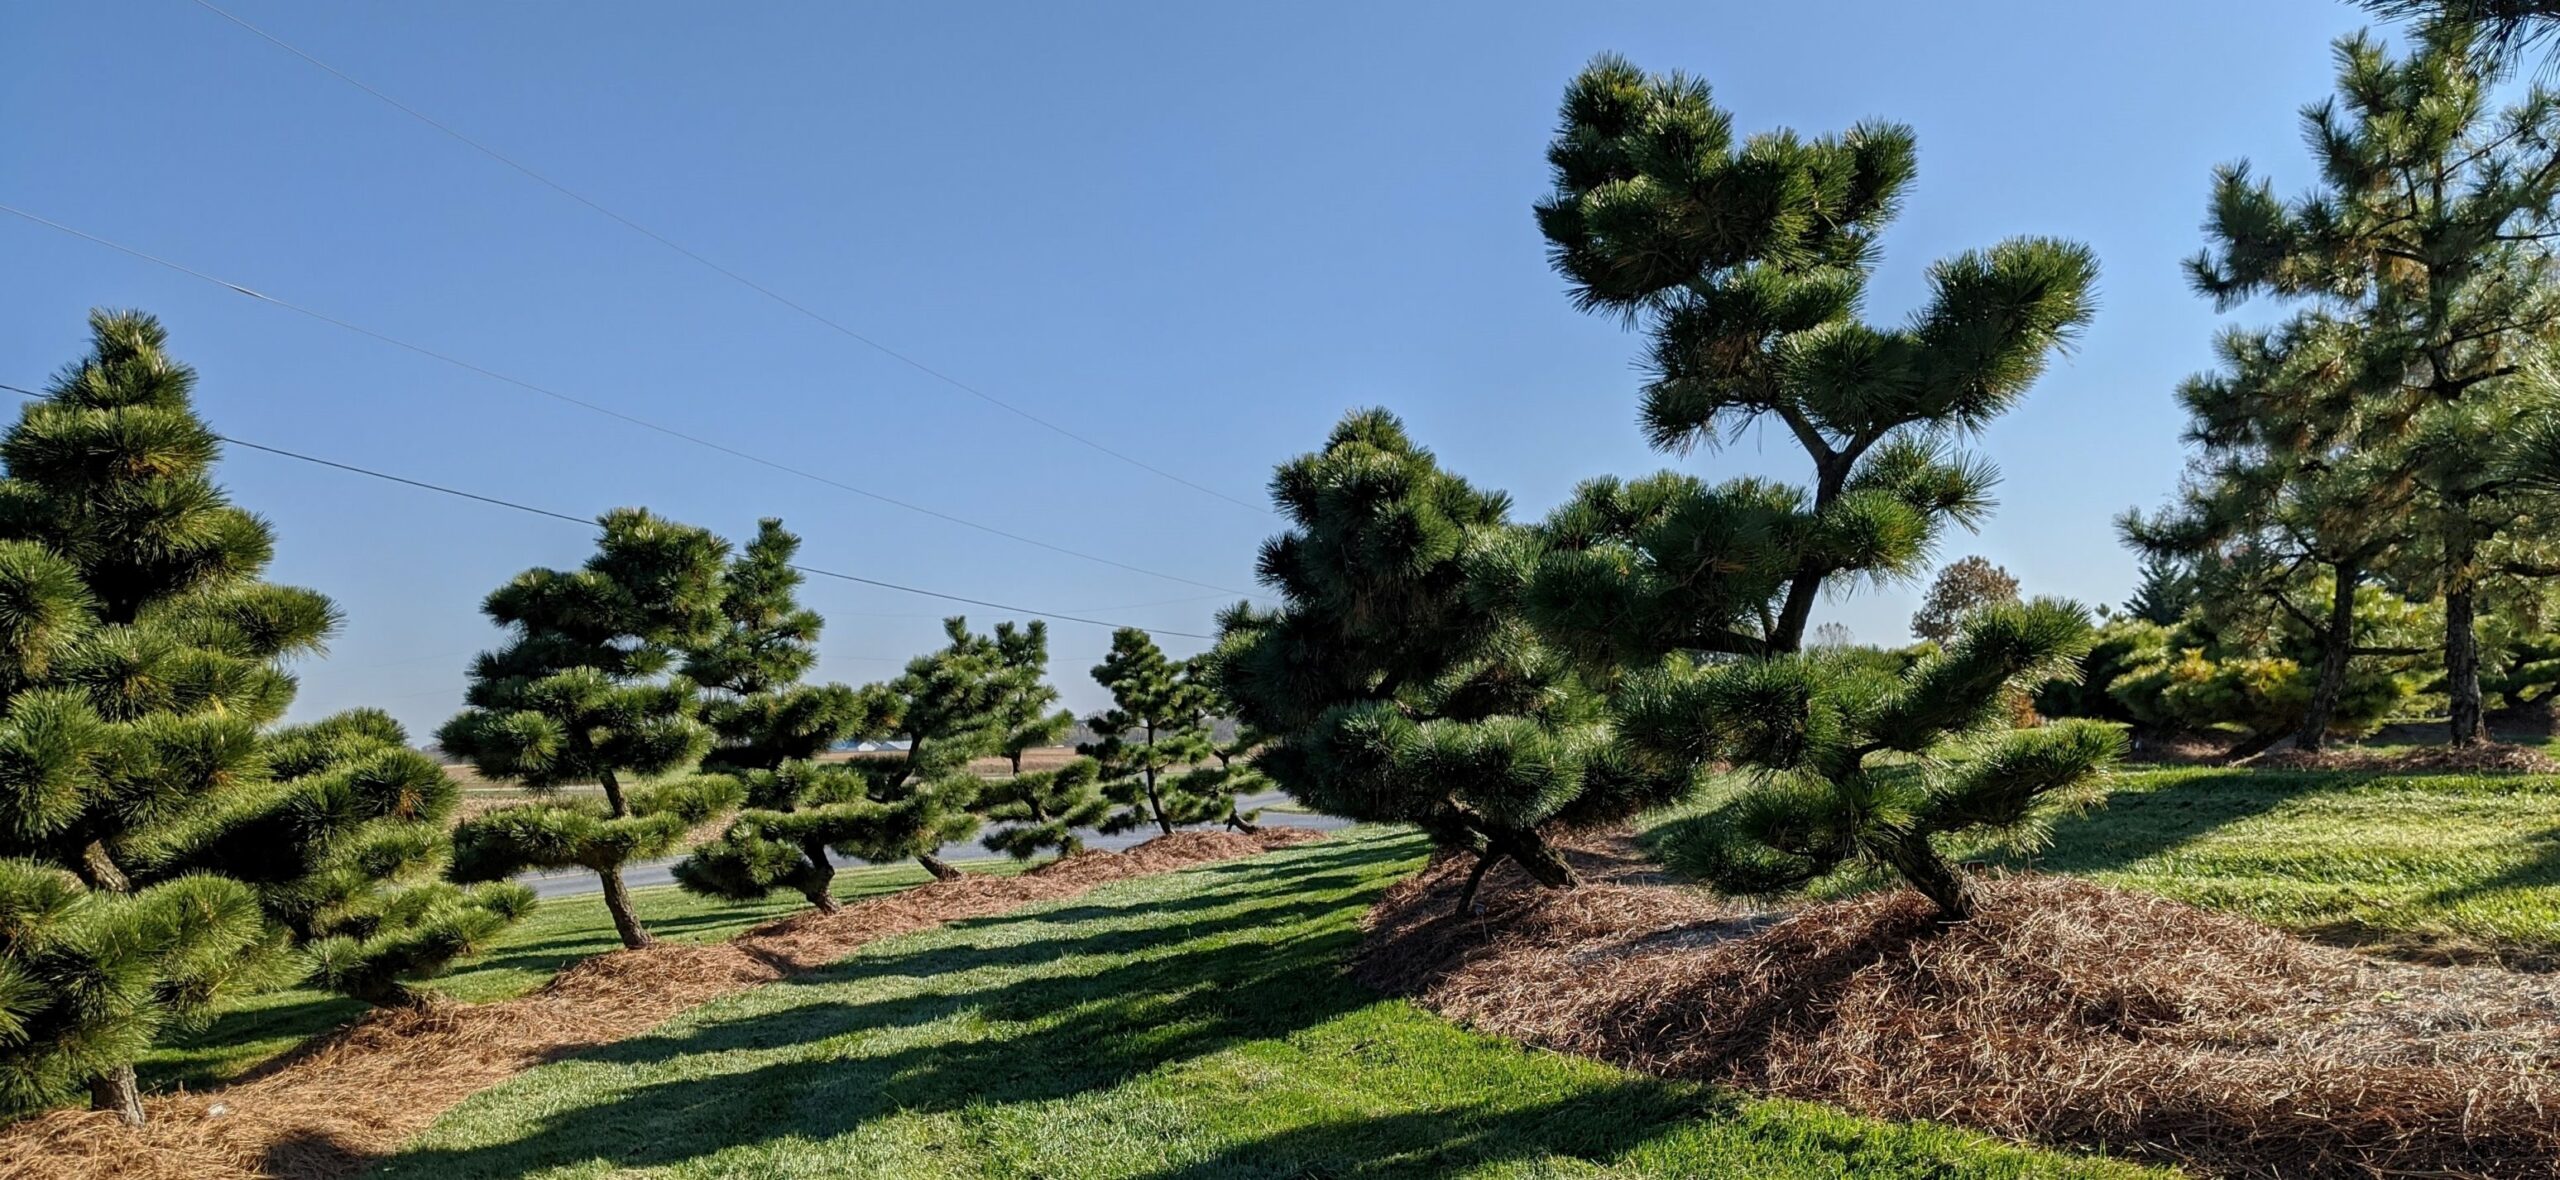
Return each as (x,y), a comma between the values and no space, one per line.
(2066,1012)
(329,1109)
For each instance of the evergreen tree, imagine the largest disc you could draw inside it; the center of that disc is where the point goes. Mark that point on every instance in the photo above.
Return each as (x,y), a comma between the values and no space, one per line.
(1392,689)
(2425,241)
(140,659)
(1234,775)
(346,851)
(949,707)
(768,729)
(582,694)
(1041,809)
(1961,588)
(1747,263)
(2165,589)
(1153,727)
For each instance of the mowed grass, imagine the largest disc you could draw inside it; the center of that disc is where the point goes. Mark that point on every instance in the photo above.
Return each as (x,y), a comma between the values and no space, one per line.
(2461,865)
(558,933)
(1194,1025)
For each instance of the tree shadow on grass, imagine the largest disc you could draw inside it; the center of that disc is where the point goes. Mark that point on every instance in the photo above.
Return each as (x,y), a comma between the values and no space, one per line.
(1599,1126)
(819,1066)
(2133,826)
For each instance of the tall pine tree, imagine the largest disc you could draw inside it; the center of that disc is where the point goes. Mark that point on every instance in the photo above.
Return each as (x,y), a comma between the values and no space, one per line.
(2426,241)
(159,853)
(581,694)
(1747,264)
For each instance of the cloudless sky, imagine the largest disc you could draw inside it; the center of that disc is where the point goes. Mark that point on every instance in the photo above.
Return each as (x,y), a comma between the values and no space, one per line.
(1198,232)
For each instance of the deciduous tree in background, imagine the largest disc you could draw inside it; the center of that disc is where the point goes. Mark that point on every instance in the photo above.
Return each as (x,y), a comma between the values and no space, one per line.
(582,694)
(1961,588)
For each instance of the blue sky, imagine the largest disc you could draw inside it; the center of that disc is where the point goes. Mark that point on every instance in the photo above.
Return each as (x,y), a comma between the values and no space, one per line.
(1200,232)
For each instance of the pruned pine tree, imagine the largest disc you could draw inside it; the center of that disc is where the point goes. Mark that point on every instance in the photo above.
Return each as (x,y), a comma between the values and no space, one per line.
(948,707)
(140,659)
(1392,690)
(1044,810)
(1154,728)
(1849,765)
(768,729)
(1746,262)
(581,693)
(2502,29)
(1041,809)
(2426,240)
(1962,587)
(1232,776)
(347,850)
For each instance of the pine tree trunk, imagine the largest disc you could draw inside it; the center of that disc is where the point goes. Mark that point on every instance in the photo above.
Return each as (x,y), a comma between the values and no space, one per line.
(1236,820)
(818,884)
(1156,802)
(940,868)
(1534,856)
(2337,645)
(1911,855)
(1475,878)
(613,794)
(120,1093)
(2462,666)
(617,901)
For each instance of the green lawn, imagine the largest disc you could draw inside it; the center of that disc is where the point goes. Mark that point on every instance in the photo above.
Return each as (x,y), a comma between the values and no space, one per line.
(1193,1026)
(559,932)
(2441,863)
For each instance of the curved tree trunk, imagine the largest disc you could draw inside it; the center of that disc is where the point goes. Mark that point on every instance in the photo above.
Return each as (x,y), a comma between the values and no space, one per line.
(119,1093)
(1236,820)
(941,869)
(1911,855)
(2337,645)
(1533,854)
(617,901)
(818,883)
(613,794)
(1475,877)
(1155,802)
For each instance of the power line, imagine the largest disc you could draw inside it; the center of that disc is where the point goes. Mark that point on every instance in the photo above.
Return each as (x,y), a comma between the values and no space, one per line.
(598,408)
(733,276)
(587,522)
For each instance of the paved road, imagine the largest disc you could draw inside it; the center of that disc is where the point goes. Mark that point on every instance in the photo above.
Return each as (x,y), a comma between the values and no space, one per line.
(640,874)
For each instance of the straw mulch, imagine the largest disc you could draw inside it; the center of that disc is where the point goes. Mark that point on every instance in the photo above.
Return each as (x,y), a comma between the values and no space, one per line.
(2064,1013)
(331,1109)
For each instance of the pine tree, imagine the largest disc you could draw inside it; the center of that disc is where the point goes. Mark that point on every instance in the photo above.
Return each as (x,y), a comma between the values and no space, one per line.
(1747,264)
(140,660)
(949,707)
(1154,726)
(1043,809)
(2165,589)
(2426,242)
(768,729)
(1234,775)
(1393,690)
(347,852)
(1961,588)
(581,694)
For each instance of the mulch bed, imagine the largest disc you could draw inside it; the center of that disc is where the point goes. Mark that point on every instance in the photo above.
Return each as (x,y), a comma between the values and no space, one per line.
(331,1109)
(2064,1013)
(2494,757)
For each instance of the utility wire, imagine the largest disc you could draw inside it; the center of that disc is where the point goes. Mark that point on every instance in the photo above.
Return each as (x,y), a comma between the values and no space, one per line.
(590,523)
(598,408)
(733,276)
